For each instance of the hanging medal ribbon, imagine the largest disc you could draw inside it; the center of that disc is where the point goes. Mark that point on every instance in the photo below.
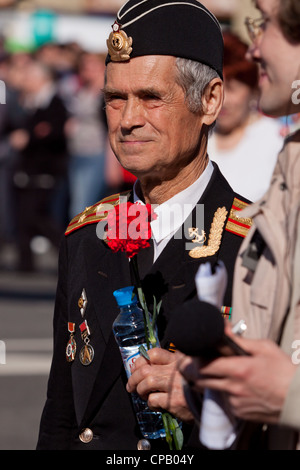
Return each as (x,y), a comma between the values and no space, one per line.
(87,352)
(71,345)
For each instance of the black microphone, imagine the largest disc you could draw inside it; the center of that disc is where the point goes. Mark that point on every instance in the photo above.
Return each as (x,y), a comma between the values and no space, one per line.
(196,328)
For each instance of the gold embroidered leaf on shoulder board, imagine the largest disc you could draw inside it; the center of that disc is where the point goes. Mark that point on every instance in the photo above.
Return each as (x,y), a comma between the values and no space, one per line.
(215,236)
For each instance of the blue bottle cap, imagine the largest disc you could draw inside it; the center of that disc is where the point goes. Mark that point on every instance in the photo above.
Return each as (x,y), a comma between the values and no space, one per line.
(125,296)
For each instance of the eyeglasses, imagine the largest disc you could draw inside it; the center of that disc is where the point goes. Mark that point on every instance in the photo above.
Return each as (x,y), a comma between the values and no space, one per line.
(255,27)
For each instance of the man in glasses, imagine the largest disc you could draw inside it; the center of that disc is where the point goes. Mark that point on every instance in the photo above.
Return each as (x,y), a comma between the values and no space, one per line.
(263,389)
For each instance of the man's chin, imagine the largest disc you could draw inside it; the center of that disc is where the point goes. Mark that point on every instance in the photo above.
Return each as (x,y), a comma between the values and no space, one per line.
(268,106)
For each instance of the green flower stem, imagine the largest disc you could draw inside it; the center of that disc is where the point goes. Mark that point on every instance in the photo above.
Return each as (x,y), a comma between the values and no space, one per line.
(133,262)
(172,429)
(149,325)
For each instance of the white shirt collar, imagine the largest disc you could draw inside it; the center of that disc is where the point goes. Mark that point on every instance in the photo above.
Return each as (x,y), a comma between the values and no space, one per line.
(172,213)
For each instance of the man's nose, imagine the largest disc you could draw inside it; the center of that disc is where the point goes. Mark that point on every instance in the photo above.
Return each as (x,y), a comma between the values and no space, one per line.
(133,114)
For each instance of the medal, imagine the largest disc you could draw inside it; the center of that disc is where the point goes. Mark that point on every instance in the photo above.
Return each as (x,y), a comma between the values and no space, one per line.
(82,302)
(86,354)
(71,345)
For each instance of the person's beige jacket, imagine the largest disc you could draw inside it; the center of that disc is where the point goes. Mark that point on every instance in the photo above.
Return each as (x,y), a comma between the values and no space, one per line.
(268,299)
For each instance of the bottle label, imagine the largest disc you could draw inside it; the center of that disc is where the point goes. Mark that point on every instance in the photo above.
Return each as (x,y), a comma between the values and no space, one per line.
(129,356)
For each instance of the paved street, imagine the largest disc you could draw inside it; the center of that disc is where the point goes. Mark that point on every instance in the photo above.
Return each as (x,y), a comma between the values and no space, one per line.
(26,311)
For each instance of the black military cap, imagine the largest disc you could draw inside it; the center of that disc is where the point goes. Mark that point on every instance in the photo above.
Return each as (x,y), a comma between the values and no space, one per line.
(180,28)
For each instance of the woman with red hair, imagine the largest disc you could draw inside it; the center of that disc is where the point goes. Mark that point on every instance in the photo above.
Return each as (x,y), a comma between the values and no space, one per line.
(245,143)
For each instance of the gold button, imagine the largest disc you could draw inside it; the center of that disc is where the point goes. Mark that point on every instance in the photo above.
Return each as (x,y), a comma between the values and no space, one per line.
(86,436)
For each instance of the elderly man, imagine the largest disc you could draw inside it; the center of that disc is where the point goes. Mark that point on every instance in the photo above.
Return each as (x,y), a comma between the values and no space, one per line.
(263,390)
(163,93)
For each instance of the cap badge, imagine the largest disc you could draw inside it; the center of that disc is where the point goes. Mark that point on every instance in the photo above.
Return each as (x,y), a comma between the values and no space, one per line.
(119,44)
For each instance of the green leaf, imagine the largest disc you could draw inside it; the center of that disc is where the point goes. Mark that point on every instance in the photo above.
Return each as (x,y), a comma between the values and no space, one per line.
(142,299)
(178,438)
(177,434)
(156,309)
(143,352)
(167,430)
(173,431)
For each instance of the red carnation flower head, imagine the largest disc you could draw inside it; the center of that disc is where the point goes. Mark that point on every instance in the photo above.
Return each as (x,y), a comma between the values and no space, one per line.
(128,227)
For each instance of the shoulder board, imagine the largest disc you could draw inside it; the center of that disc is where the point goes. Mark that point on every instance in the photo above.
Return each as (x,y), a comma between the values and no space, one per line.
(235,224)
(96,213)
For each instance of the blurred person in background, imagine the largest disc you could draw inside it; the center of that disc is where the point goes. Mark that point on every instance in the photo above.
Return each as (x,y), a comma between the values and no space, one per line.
(42,162)
(86,132)
(12,115)
(5,234)
(245,143)
(62,60)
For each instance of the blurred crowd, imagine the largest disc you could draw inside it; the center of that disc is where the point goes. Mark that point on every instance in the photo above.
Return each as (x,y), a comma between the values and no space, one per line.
(55,159)
(54,155)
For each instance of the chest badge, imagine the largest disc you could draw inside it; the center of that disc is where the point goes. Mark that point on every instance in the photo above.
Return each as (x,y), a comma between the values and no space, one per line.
(82,302)
(214,239)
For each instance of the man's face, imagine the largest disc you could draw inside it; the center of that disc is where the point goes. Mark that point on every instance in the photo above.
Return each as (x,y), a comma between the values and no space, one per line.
(279,63)
(151,130)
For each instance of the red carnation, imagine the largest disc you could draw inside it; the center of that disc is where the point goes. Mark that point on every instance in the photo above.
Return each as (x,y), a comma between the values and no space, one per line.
(128,227)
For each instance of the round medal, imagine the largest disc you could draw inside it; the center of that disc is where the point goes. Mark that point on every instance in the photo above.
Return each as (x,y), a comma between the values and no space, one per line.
(71,350)
(86,354)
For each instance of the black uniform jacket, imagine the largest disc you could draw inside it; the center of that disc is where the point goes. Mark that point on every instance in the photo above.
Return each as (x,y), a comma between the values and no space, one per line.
(94,396)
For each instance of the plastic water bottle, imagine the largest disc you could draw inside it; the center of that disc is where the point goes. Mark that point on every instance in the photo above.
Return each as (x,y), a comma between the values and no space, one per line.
(129,332)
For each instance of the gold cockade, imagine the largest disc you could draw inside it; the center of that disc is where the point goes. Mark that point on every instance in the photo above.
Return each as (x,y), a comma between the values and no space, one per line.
(119,44)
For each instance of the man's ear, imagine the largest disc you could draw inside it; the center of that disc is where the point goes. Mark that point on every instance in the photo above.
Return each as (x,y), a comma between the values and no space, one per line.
(212,100)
